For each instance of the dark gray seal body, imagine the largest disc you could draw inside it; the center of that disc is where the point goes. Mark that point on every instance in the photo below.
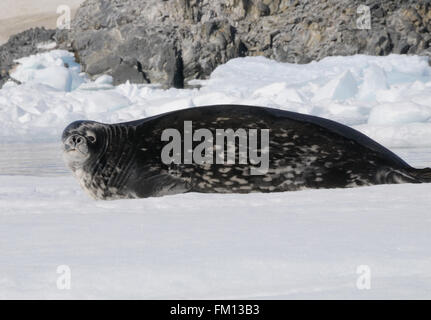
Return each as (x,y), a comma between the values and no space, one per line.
(124,160)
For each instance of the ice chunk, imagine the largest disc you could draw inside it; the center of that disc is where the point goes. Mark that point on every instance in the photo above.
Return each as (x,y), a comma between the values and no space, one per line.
(374,80)
(341,88)
(104,79)
(56,69)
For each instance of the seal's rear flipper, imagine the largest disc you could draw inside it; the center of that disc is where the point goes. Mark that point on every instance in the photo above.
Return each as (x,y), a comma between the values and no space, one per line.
(423,175)
(411,175)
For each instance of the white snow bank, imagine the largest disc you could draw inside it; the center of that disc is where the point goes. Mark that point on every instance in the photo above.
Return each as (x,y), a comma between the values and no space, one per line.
(388,98)
(306,244)
(56,69)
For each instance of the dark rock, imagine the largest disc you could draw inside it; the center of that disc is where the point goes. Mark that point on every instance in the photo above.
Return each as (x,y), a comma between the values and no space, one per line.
(129,71)
(402,47)
(172,42)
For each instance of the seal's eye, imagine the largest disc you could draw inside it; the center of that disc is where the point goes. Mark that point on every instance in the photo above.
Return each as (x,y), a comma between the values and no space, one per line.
(91,136)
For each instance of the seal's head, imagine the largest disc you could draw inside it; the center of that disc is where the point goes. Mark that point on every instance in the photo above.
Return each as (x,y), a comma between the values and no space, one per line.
(82,141)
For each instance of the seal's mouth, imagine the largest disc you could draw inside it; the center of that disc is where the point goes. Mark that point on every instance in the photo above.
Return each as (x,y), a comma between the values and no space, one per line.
(73,151)
(68,148)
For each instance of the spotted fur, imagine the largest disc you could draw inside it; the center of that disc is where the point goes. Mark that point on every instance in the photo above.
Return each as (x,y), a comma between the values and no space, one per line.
(304,152)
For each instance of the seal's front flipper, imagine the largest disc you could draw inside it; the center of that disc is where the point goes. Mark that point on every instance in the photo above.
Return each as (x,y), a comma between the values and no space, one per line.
(163,184)
(172,180)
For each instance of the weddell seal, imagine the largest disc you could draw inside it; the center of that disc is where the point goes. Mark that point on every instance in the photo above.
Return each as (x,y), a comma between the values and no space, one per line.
(227,149)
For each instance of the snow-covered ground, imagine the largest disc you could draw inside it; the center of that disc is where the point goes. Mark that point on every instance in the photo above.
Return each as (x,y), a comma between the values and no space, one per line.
(387,98)
(306,244)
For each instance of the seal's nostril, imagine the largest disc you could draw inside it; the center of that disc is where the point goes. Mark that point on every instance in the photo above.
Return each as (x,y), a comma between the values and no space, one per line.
(75,140)
(71,141)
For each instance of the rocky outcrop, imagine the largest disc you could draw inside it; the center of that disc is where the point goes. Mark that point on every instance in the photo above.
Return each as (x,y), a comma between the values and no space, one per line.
(21,45)
(174,41)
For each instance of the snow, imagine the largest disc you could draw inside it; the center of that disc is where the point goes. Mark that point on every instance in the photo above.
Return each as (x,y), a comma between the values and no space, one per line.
(56,69)
(50,45)
(306,244)
(399,113)
(379,96)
